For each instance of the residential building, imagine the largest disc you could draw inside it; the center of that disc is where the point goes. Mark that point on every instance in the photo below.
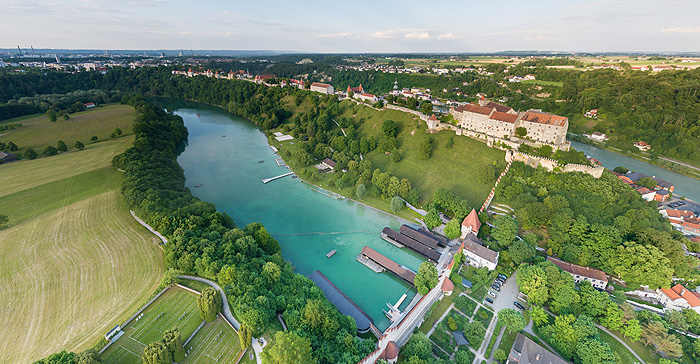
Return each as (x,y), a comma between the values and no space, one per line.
(477,254)
(597,277)
(642,146)
(632,178)
(323,88)
(647,194)
(471,224)
(679,298)
(89,105)
(326,165)
(662,196)
(526,351)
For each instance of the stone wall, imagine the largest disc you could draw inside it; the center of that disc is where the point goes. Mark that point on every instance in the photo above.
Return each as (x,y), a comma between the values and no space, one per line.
(552,165)
(405,109)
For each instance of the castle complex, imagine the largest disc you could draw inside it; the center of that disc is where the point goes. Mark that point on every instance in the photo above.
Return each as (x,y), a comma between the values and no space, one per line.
(501,121)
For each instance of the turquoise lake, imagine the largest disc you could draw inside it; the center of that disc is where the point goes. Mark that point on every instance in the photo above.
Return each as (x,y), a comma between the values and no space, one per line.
(224,154)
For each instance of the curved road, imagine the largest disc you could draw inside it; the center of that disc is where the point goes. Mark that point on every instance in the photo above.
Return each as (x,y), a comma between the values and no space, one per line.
(227,313)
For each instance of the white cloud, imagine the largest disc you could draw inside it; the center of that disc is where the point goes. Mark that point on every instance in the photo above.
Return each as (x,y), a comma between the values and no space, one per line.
(385,34)
(423,35)
(683,30)
(337,35)
(447,35)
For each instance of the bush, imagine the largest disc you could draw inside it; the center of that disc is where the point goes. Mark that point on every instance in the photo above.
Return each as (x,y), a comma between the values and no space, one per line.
(29,153)
(50,150)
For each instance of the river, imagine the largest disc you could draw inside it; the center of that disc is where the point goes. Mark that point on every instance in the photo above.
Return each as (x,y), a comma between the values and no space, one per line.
(684,185)
(224,155)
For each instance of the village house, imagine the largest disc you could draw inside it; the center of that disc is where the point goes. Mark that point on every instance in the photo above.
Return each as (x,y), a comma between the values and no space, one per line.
(325,165)
(526,351)
(679,298)
(7,157)
(477,254)
(366,97)
(597,277)
(683,221)
(89,105)
(643,146)
(592,114)
(323,88)
(647,194)
(632,178)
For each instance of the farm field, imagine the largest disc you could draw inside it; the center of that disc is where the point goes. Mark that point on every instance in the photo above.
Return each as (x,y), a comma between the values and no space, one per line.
(75,262)
(38,132)
(163,314)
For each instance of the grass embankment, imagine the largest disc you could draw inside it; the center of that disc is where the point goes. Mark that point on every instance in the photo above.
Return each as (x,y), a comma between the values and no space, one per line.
(75,263)
(544,83)
(37,132)
(451,168)
(625,356)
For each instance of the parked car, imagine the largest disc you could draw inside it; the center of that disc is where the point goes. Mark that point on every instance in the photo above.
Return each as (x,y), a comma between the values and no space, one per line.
(492,294)
(496,284)
(496,288)
(501,275)
(489,300)
(518,305)
(500,281)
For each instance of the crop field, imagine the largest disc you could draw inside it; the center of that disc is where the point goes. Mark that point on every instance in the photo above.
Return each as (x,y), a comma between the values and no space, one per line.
(75,262)
(38,132)
(216,342)
(175,308)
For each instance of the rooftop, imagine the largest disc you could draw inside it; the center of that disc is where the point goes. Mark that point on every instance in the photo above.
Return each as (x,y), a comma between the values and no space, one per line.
(526,351)
(544,118)
(502,116)
(579,270)
(473,245)
(318,84)
(678,291)
(474,108)
(344,304)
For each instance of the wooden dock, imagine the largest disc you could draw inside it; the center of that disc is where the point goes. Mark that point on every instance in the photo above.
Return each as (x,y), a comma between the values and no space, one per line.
(330,254)
(370,264)
(266,180)
(400,271)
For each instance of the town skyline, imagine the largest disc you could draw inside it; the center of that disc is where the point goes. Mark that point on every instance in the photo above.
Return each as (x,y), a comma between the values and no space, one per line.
(363,27)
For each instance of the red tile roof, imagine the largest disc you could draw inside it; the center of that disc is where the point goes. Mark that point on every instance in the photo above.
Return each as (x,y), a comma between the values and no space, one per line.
(472,220)
(679,213)
(433,117)
(544,118)
(318,84)
(679,291)
(579,270)
(498,107)
(474,108)
(447,285)
(502,116)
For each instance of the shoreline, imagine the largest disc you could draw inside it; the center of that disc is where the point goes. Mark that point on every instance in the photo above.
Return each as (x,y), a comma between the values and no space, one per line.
(641,159)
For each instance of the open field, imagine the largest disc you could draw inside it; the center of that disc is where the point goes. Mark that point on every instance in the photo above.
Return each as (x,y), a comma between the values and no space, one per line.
(173,304)
(71,274)
(23,175)
(38,132)
(216,340)
(75,262)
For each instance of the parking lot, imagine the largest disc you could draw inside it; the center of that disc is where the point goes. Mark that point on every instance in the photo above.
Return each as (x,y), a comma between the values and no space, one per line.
(505,298)
(678,204)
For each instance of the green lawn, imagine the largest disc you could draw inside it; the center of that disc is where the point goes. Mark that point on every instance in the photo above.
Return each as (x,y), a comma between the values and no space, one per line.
(439,310)
(625,356)
(216,342)
(38,131)
(161,315)
(507,341)
(544,83)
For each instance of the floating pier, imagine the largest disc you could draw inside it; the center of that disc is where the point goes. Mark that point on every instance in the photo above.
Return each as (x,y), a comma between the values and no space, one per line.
(266,180)
(400,271)
(326,192)
(370,264)
(330,254)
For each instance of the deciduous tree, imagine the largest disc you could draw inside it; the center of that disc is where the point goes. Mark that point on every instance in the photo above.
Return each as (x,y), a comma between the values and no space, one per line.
(288,347)
(453,229)
(426,279)
(209,303)
(512,319)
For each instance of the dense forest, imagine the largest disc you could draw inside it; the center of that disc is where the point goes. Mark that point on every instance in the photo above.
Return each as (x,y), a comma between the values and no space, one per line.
(601,223)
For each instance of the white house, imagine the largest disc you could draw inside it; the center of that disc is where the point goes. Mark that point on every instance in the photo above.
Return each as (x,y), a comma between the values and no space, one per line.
(323,88)
(597,136)
(478,255)
(678,298)
(597,277)
(643,146)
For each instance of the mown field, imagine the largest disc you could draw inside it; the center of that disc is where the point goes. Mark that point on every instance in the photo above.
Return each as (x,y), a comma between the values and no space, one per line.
(75,263)
(37,132)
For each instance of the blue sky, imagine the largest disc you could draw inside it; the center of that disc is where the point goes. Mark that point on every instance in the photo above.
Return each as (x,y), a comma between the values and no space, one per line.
(354,26)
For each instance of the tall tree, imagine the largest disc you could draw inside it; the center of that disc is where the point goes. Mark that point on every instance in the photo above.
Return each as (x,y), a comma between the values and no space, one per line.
(512,319)
(426,279)
(453,229)
(505,230)
(288,347)
(209,302)
(157,353)
(173,340)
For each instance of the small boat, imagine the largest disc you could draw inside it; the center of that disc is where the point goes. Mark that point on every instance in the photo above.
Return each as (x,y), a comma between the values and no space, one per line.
(330,254)
(223,136)
(261,161)
(198,185)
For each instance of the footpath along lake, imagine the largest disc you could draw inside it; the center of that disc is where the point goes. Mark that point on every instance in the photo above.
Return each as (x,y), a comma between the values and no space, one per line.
(224,154)
(684,185)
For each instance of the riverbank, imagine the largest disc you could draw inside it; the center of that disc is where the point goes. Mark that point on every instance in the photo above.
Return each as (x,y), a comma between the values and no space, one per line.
(693,173)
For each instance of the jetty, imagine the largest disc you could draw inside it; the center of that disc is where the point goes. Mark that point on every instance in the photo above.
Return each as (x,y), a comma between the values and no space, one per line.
(330,254)
(326,192)
(266,180)
(400,271)
(344,304)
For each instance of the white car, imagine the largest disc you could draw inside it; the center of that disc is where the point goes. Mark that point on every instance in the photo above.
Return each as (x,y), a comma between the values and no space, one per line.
(492,294)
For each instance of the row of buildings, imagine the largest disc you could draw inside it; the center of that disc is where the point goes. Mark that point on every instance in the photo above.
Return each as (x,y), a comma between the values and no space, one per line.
(660,193)
(501,121)
(684,221)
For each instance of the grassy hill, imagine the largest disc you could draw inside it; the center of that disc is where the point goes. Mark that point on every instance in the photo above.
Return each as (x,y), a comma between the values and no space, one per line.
(75,263)
(38,131)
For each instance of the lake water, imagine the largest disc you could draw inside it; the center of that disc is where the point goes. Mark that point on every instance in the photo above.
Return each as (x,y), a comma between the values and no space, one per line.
(230,172)
(684,185)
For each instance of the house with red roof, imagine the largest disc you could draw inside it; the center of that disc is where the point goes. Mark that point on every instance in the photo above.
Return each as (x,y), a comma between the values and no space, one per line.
(471,224)
(679,298)
(323,88)
(643,146)
(580,273)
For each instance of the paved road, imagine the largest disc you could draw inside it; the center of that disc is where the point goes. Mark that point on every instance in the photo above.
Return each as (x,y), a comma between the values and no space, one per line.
(229,316)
